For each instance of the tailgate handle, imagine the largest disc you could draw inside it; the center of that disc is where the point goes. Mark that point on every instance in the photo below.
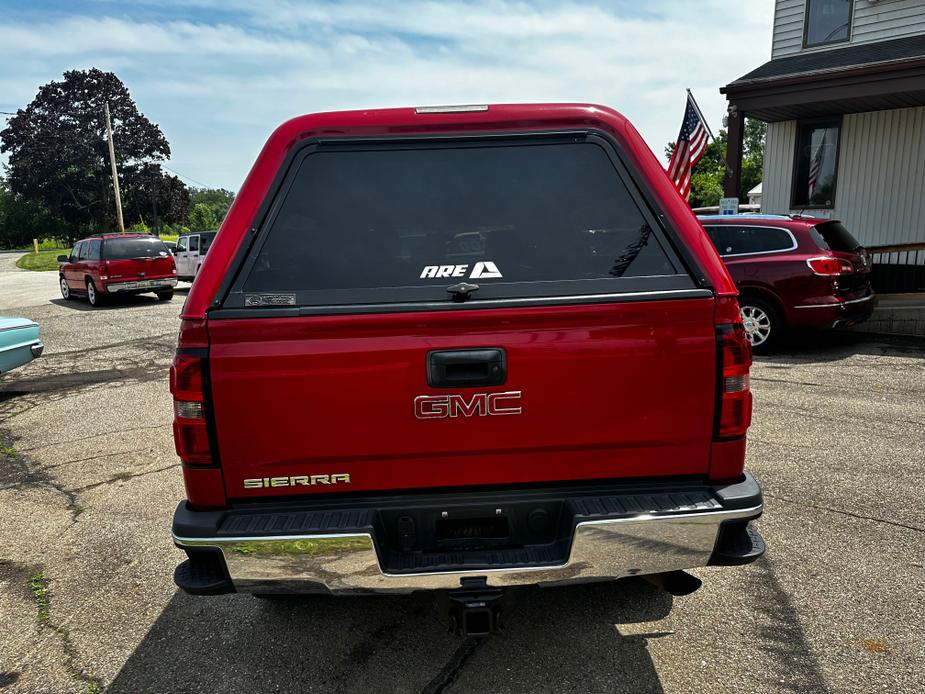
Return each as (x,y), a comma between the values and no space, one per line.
(459,368)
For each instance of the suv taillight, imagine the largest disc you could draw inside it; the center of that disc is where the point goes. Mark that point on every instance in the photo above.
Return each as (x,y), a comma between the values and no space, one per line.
(827,266)
(188,383)
(733,398)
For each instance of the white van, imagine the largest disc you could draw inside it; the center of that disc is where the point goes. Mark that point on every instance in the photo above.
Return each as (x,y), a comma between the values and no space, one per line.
(191,250)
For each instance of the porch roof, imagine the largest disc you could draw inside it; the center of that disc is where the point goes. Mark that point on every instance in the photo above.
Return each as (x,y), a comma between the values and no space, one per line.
(852,79)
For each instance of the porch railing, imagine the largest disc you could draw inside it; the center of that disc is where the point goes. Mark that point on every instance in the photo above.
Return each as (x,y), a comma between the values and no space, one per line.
(898,268)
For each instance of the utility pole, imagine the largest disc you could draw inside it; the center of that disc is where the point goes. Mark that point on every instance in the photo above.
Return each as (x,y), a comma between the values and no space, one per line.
(115,173)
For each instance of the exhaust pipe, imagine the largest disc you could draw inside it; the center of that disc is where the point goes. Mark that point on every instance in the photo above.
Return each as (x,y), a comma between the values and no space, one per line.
(677,583)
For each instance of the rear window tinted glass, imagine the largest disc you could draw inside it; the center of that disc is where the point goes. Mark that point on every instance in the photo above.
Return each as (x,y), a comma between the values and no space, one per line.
(205,240)
(124,249)
(833,236)
(739,240)
(367,223)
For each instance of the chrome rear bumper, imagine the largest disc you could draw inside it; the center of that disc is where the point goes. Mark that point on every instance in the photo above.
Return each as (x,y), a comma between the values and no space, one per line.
(357,562)
(141,285)
(348,563)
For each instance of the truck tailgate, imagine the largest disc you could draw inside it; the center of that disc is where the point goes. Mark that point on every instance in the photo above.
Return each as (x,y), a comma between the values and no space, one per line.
(321,404)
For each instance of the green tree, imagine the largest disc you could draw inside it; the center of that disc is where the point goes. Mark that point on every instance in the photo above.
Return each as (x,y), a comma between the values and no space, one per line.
(58,154)
(22,220)
(155,197)
(709,173)
(218,200)
(201,217)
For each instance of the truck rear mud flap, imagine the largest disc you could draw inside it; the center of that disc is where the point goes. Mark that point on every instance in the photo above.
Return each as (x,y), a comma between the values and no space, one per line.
(412,542)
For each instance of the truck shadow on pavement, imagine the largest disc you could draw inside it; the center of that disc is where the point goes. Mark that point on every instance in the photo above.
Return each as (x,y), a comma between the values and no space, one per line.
(112,303)
(555,639)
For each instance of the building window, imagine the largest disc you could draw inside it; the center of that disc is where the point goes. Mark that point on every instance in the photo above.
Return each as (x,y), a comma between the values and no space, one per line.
(816,165)
(827,21)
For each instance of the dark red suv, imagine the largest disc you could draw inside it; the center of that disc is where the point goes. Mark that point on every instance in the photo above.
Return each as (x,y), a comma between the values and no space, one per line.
(101,266)
(792,272)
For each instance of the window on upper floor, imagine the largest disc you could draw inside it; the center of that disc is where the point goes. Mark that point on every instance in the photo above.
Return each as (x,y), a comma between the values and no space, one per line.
(816,164)
(827,21)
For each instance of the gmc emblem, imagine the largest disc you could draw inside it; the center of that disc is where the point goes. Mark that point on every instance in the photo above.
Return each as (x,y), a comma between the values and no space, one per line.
(481,404)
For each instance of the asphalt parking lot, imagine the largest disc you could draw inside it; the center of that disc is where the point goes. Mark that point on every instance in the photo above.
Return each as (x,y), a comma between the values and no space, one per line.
(89,480)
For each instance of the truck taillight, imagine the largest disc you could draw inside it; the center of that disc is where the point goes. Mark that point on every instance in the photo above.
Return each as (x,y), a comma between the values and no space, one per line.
(735,406)
(205,487)
(190,432)
(733,398)
(827,266)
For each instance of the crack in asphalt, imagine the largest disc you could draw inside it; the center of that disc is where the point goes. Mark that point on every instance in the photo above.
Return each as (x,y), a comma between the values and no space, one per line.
(125,477)
(92,457)
(30,475)
(42,595)
(450,671)
(94,436)
(859,516)
(787,380)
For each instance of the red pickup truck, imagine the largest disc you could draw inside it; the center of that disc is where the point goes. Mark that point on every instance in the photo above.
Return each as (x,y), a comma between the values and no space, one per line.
(460,349)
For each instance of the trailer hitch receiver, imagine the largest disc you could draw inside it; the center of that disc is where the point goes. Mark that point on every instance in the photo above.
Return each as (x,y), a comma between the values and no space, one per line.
(475,609)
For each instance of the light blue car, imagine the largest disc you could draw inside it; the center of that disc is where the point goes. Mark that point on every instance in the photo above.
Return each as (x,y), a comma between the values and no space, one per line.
(19,342)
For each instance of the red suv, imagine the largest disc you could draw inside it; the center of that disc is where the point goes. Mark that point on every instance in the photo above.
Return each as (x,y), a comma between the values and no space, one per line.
(460,349)
(792,272)
(101,266)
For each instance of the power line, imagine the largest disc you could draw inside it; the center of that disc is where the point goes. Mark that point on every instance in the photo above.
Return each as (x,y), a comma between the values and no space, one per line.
(188,178)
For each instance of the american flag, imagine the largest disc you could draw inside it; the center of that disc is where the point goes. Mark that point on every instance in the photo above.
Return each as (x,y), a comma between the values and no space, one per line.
(815,167)
(691,144)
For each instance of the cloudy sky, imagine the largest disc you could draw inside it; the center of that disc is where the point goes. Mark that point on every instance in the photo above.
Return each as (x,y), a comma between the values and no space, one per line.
(219,75)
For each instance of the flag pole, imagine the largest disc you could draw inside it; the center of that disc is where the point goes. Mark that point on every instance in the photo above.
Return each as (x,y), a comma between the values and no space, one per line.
(700,113)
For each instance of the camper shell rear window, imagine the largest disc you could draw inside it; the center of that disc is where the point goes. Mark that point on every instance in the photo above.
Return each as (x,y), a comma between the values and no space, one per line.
(381,224)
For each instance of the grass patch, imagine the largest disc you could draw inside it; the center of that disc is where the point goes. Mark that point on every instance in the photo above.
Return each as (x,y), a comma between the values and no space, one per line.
(39,586)
(42,261)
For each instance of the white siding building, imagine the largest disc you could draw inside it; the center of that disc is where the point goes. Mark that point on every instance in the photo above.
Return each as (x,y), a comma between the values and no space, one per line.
(844,99)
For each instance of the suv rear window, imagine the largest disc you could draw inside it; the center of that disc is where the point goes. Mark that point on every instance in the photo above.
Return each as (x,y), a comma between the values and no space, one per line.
(832,236)
(745,240)
(402,224)
(125,249)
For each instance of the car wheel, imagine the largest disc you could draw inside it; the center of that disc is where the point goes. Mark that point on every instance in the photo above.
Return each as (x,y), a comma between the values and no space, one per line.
(65,290)
(165,296)
(93,296)
(763,324)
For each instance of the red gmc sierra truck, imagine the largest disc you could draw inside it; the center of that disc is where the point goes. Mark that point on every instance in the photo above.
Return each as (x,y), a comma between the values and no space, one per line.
(460,349)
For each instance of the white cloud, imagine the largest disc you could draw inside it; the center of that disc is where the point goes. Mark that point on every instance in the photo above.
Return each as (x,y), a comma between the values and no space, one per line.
(219,77)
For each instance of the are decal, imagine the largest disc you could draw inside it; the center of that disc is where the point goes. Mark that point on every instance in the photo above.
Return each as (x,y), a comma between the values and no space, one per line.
(483,269)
